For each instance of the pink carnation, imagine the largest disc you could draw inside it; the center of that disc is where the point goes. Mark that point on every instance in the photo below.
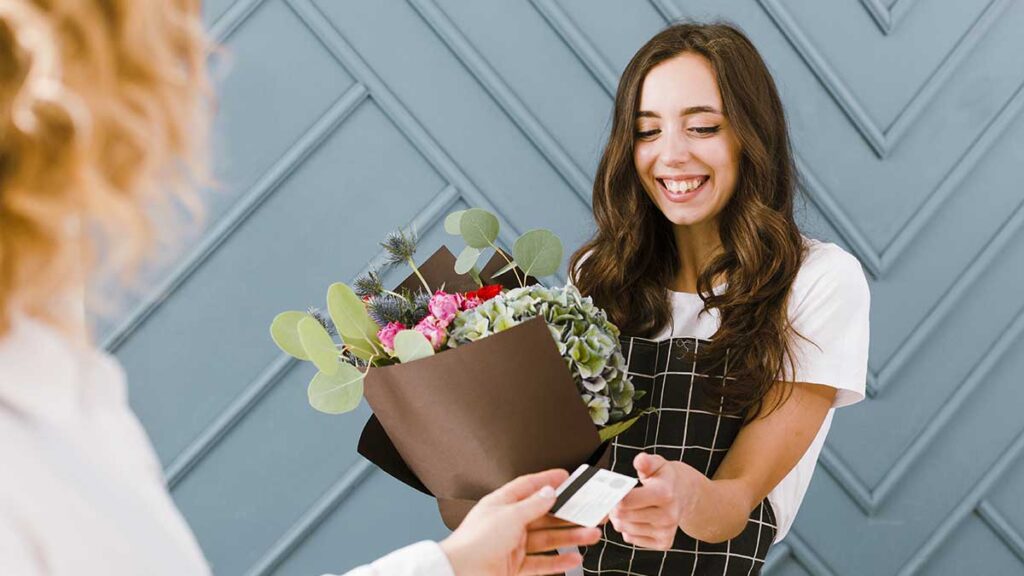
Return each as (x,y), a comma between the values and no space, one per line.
(470,303)
(434,330)
(444,306)
(386,335)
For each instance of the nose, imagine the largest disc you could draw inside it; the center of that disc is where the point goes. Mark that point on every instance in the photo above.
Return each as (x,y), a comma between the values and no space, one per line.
(675,149)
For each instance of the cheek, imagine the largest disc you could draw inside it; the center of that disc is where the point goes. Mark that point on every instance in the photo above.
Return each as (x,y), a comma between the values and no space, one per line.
(643,157)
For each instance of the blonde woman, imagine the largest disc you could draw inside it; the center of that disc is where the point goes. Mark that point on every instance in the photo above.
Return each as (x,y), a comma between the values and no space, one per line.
(102,125)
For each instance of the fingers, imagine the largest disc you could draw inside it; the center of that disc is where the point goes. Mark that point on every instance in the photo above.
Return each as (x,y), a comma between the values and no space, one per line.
(645,497)
(524,486)
(651,542)
(549,521)
(525,511)
(649,515)
(647,465)
(537,565)
(545,540)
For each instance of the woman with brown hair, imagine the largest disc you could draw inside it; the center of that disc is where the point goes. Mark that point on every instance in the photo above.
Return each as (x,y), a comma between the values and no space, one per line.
(102,131)
(744,333)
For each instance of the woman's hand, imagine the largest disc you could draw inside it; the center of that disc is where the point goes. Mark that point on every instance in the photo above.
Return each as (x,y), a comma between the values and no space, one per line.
(650,515)
(502,532)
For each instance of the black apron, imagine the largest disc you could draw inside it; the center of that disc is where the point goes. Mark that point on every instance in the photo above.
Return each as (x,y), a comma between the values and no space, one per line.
(686,427)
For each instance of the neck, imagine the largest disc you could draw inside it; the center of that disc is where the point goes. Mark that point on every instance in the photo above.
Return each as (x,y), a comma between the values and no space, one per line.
(696,245)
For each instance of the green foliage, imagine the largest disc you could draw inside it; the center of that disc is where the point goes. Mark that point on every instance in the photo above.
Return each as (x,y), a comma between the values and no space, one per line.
(319,345)
(410,345)
(538,253)
(337,393)
(284,330)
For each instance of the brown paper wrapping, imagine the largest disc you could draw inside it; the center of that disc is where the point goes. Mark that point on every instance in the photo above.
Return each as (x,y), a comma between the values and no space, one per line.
(461,423)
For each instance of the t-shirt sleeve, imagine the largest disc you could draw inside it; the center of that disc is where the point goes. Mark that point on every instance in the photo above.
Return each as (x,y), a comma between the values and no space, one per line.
(829,305)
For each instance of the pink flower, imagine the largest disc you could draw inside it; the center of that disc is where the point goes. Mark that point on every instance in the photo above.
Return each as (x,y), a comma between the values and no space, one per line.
(434,330)
(471,302)
(386,335)
(443,307)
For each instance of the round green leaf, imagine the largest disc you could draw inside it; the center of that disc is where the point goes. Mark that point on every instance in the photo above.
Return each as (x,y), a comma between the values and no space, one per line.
(337,393)
(411,345)
(350,317)
(319,345)
(451,222)
(538,253)
(466,260)
(479,228)
(284,330)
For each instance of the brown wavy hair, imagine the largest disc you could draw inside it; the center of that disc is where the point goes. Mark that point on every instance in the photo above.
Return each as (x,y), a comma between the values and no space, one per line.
(629,263)
(104,110)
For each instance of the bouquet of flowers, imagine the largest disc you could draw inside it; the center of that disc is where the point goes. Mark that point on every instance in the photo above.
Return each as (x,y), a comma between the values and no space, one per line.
(470,383)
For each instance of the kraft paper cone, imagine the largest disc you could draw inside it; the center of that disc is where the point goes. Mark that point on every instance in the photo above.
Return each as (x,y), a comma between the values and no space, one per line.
(504,362)
(468,420)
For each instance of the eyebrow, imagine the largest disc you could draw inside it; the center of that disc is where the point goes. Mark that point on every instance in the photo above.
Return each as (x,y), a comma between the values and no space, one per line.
(686,112)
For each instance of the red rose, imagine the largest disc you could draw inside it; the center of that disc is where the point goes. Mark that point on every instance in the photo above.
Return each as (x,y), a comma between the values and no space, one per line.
(484,294)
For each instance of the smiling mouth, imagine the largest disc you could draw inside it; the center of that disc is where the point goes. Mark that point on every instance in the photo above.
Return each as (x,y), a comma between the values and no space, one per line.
(682,189)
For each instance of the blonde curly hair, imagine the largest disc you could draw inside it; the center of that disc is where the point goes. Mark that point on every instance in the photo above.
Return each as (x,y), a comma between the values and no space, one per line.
(104,109)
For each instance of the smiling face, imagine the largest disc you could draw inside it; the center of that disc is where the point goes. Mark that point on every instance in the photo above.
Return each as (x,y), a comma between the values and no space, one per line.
(685,152)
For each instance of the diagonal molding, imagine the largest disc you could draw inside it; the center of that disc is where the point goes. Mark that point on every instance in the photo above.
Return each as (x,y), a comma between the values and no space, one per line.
(870,500)
(311,519)
(968,504)
(882,140)
(396,111)
(1001,527)
(793,546)
(505,97)
(879,263)
(577,42)
(232,18)
(268,183)
(887,18)
(226,421)
(669,10)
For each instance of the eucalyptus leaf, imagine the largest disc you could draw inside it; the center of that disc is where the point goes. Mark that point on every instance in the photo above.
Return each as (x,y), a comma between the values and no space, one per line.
(538,253)
(466,260)
(451,222)
(284,330)
(361,348)
(337,393)
(319,345)
(609,432)
(411,345)
(350,317)
(479,228)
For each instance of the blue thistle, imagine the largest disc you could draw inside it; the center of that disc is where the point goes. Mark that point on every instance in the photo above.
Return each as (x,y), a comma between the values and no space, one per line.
(324,320)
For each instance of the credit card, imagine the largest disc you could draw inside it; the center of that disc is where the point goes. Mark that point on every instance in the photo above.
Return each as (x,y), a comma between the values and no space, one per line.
(589,494)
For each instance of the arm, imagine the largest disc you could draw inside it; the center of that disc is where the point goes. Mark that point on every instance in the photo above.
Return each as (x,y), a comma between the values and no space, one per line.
(676,495)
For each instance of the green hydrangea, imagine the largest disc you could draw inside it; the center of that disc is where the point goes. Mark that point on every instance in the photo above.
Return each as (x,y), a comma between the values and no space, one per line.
(587,341)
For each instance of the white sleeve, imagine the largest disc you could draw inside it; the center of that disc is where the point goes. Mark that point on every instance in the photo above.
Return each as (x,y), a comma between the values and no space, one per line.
(17,555)
(420,559)
(829,306)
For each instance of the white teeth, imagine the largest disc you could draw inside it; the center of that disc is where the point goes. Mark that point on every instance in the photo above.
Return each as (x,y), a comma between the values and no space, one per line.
(682,185)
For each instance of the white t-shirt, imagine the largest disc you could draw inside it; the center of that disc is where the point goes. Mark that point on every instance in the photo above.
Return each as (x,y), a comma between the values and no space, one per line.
(828,304)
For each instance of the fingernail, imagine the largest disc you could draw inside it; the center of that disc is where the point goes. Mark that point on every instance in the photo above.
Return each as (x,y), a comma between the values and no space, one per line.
(546,492)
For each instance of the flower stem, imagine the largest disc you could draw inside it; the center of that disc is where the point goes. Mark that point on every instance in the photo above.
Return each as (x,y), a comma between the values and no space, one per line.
(522,281)
(418,275)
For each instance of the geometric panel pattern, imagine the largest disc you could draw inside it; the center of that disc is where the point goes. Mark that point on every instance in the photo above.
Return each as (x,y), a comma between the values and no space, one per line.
(338,121)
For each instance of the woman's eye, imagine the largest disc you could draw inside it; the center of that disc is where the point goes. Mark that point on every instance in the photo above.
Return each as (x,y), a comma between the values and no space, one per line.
(647,133)
(705,129)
